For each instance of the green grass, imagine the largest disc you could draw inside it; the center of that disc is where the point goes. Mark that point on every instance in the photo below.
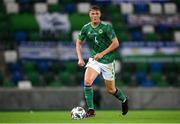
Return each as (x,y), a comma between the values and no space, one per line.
(142,116)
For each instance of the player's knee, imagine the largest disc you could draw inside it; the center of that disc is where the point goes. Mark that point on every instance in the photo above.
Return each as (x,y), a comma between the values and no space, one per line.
(111,90)
(88,82)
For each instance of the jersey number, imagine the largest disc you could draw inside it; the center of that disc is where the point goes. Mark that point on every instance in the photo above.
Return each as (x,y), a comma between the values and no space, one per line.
(96,40)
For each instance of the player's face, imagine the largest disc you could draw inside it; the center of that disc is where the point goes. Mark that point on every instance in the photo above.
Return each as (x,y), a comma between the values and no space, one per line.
(95,16)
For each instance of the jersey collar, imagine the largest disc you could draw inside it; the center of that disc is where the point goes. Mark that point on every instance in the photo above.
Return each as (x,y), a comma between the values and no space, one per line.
(96,26)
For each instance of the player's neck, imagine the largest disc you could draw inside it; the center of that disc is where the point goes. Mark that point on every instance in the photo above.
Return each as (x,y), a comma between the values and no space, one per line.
(95,24)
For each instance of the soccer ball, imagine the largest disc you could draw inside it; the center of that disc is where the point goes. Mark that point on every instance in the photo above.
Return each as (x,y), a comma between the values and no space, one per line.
(78,113)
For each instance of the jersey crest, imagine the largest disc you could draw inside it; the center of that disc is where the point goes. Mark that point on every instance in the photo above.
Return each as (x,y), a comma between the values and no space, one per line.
(100,31)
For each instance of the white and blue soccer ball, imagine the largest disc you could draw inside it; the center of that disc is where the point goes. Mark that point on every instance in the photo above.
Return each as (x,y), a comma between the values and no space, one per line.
(78,113)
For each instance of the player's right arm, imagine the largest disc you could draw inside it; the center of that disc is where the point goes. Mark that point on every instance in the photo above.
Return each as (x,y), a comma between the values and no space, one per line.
(81,37)
(79,53)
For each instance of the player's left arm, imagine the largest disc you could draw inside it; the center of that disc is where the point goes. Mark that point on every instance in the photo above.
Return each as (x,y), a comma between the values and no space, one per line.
(114,44)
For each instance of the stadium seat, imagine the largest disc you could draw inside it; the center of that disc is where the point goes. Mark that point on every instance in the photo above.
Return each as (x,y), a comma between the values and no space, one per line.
(165,32)
(24,84)
(155,8)
(83,8)
(48,77)
(150,37)
(40,8)
(137,36)
(54,8)
(9,1)
(25,6)
(66,78)
(116,18)
(122,36)
(2,15)
(28,67)
(172,78)
(64,2)
(160,28)
(56,67)
(12,8)
(142,67)
(71,67)
(126,8)
(23,1)
(34,36)
(126,77)
(64,37)
(156,77)
(147,83)
(4,25)
(141,8)
(168,67)
(33,76)
(70,8)
(129,67)
(7,38)
(101,2)
(155,67)
(177,36)
(163,82)
(42,66)
(168,36)
(16,76)
(140,77)
(52,1)
(178,67)
(119,27)
(1,78)
(170,8)
(148,29)
(21,37)
(177,3)
(10,56)
(14,67)
(112,9)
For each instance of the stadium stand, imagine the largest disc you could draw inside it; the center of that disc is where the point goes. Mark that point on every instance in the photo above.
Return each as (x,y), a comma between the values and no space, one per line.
(143,24)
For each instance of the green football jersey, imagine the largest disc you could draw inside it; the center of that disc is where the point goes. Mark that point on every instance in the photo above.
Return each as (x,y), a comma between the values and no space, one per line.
(98,39)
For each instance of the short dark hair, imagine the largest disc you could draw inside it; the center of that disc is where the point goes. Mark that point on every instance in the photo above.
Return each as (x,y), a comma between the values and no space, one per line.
(95,7)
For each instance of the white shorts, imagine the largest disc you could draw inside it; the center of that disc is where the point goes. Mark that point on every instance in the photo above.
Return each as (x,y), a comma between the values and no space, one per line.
(107,70)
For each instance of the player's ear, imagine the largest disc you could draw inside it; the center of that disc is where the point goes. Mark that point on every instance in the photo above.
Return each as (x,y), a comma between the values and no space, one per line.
(90,13)
(99,14)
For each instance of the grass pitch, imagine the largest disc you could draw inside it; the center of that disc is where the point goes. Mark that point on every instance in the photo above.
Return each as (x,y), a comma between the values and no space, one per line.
(141,116)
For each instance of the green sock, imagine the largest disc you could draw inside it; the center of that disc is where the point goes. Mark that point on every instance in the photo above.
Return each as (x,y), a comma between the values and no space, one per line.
(88,90)
(120,95)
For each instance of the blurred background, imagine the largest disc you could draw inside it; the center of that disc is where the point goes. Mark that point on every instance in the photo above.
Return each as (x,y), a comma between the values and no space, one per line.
(38,63)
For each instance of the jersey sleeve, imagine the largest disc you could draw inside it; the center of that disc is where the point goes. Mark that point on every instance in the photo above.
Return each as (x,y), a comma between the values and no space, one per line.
(110,32)
(82,34)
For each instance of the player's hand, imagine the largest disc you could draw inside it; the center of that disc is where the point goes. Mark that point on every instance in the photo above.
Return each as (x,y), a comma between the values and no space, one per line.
(81,62)
(98,56)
